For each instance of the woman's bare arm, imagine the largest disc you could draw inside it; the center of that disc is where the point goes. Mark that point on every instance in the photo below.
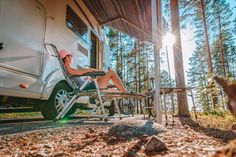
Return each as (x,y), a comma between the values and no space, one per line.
(73,71)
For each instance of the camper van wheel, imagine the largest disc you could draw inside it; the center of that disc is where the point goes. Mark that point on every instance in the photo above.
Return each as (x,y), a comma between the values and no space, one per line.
(57,101)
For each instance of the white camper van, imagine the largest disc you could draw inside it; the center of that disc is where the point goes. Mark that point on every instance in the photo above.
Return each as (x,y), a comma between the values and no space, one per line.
(30,75)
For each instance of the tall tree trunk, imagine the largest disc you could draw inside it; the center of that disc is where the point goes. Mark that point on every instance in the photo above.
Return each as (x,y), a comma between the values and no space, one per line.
(139,74)
(147,67)
(127,68)
(139,68)
(117,54)
(232,66)
(202,6)
(121,57)
(206,96)
(210,68)
(170,83)
(222,47)
(178,60)
(135,67)
(135,75)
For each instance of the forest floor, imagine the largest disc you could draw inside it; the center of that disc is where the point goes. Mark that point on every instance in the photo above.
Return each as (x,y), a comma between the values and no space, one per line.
(185,137)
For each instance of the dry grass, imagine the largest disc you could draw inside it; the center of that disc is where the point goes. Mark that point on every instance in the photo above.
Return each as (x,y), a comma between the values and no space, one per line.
(20,115)
(221,121)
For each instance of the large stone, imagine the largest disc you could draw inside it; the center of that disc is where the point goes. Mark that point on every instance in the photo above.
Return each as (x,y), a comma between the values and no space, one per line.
(127,129)
(155,145)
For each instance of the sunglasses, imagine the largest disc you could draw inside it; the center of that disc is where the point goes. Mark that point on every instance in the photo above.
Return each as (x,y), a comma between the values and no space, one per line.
(69,56)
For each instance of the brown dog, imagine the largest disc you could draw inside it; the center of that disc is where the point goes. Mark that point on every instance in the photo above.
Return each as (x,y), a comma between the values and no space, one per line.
(230,91)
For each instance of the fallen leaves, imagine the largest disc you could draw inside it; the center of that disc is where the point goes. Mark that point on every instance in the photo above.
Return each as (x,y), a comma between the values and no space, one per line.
(227,151)
(94,140)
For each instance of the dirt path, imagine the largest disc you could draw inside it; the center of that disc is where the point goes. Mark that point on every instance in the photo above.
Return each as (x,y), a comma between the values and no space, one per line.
(185,138)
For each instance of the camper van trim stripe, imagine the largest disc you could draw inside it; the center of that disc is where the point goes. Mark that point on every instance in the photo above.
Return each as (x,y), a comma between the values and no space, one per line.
(10,59)
(18,72)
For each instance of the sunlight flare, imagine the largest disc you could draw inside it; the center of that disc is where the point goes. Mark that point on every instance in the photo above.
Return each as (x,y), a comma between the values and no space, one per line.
(169,39)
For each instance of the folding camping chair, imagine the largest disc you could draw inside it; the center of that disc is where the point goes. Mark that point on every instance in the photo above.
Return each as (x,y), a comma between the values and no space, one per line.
(78,92)
(97,93)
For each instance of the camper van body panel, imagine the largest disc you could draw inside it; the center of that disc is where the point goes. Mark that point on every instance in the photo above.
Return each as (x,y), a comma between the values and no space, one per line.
(22,33)
(22,30)
(9,84)
(25,29)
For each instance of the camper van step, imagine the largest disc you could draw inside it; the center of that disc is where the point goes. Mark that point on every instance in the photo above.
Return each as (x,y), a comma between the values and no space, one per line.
(21,109)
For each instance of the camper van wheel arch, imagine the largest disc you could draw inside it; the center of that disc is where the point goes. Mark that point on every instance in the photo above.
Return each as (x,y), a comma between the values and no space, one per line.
(57,100)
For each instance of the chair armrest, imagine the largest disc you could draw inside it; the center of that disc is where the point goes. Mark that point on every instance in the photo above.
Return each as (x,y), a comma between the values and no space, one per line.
(94,74)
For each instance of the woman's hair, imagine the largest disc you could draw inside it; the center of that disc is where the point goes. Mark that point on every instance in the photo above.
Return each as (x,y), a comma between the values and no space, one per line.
(64,60)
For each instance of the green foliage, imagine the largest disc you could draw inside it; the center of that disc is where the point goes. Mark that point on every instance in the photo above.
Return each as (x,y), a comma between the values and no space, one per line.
(166,80)
(220,113)
(234,26)
(218,23)
(133,60)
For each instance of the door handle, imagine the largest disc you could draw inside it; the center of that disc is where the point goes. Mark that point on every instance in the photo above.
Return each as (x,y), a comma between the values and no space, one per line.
(1,46)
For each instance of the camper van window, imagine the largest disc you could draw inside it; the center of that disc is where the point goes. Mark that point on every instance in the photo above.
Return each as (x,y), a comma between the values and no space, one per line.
(76,24)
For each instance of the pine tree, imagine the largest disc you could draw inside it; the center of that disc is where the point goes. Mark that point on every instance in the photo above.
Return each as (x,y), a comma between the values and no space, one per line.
(234,28)
(180,80)
(112,35)
(197,75)
(199,9)
(222,14)
(130,59)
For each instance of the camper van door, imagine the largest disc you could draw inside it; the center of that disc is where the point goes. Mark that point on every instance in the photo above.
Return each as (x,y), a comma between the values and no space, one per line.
(22,28)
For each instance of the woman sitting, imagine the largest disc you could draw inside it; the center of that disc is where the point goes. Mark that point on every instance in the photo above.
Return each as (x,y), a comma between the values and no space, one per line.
(103,81)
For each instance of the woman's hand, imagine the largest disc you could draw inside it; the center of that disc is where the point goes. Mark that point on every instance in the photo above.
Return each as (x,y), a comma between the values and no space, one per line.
(89,70)
(95,70)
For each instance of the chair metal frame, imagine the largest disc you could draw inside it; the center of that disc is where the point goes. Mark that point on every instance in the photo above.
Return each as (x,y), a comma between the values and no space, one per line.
(98,93)
(77,92)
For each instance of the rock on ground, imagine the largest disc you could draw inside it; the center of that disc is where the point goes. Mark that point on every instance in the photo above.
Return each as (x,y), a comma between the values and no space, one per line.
(128,129)
(155,144)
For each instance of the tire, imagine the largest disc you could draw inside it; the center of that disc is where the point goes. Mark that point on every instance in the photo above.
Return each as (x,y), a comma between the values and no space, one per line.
(56,102)
(126,106)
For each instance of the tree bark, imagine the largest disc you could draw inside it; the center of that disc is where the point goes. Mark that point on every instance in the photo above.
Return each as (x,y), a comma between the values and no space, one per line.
(139,68)
(222,48)
(135,67)
(146,69)
(121,57)
(210,68)
(202,6)
(170,83)
(136,75)
(117,55)
(178,60)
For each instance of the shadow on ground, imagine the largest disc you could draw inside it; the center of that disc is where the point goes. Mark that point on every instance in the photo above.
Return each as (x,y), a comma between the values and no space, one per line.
(224,135)
(24,125)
